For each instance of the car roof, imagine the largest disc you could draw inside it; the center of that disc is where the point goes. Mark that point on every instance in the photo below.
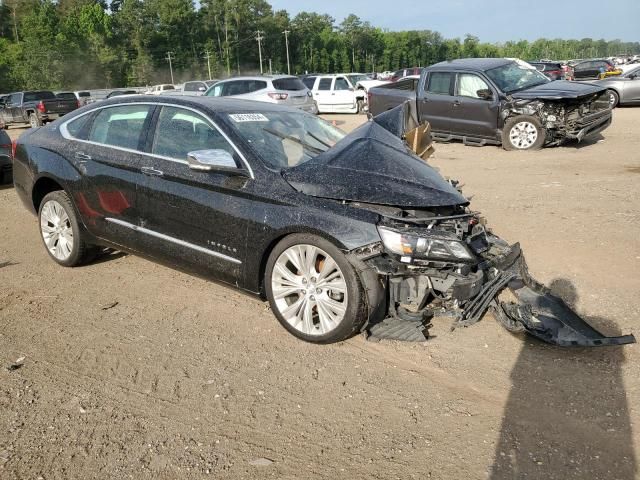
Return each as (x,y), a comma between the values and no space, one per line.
(215,104)
(472,63)
(259,77)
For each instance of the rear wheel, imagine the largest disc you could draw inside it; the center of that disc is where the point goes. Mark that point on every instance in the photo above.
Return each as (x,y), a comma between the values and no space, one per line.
(614,98)
(313,290)
(523,132)
(34,120)
(60,231)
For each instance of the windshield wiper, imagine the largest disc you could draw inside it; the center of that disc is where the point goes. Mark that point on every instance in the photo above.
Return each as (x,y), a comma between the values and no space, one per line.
(318,140)
(294,140)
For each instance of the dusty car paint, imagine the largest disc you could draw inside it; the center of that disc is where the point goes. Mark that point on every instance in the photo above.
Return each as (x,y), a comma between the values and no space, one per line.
(224,226)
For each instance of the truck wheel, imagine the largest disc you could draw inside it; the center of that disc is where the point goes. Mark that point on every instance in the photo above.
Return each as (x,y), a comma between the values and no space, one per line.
(34,120)
(523,132)
(360,104)
(313,290)
(614,98)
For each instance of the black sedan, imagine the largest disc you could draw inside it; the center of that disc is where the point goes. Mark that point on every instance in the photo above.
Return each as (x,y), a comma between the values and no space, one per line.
(342,234)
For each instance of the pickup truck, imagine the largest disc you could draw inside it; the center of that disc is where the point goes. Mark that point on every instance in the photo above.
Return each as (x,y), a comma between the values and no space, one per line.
(498,101)
(35,108)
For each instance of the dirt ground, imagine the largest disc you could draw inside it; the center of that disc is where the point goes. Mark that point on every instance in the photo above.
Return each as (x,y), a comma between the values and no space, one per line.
(134,370)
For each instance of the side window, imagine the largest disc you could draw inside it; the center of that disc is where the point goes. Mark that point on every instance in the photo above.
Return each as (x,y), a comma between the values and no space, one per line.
(191,86)
(341,84)
(216,91)
(14,99)
(255,85)
(234,87)
(120,126)
(469,84)
(440,83)
(309,81)
(180,131)
(77,128)
(325,84)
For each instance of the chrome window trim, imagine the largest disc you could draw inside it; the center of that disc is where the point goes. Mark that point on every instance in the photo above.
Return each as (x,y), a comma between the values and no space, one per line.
(177,241)
(64,131)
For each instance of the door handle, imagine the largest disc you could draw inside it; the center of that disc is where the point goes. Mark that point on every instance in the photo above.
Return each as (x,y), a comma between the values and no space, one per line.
(152,171)
(456,103)
(82,156)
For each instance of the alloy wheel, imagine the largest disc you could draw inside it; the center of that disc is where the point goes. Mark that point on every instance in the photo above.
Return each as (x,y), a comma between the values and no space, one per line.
(309,289)
(56,230)
(523,135)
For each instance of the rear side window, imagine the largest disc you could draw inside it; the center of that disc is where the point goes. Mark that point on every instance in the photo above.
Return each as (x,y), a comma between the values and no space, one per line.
(325,84)
(120,126)
(290,83)
(34,96)
(309,82)
(78,128)
(440,83)
(181,131)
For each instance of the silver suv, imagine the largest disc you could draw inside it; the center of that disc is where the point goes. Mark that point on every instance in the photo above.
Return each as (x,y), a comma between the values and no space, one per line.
(281,89)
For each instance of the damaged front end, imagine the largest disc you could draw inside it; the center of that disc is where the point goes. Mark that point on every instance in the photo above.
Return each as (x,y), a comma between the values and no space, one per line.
(442,260)
(572,118)
(449,264)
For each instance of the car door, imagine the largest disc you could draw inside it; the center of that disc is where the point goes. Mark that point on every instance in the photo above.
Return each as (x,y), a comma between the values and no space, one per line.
(437,102)
(342,95)
(105,147)
(323,94)
(474,116)
(581,70)
(631,88)
(193,218)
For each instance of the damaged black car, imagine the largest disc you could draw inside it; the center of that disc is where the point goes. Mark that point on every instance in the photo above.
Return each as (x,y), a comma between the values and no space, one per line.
(342,234)
(498,101)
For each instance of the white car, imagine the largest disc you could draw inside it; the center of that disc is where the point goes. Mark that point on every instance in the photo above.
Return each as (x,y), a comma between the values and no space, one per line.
(335,94)
(158,89)
(281,89)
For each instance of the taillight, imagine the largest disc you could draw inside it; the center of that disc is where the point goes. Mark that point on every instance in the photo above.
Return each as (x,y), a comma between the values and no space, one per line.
(14,145)
(40,107)
(278,96)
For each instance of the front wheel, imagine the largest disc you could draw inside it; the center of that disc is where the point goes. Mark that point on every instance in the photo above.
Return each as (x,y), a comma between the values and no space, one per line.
(313,290)
(523,132)
(614,98)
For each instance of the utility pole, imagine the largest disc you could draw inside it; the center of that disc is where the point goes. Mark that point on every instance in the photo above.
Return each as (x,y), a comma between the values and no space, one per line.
(286,41)
(169,58)
(259,38)
(208,57)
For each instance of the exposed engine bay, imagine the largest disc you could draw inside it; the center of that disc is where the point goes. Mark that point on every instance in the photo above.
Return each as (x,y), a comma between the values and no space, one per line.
(444,261)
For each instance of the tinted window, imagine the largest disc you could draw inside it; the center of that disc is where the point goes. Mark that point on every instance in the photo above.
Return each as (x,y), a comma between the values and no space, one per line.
(290,83)
(34,96)
(255,85)
(342,84)
(66,96)
(193,86)
(440,83)
(120,126)
(167,87)
(181,131)
(84,94)
(240,87)
(309,81)
(14,99)
(77,128)
(325,84)
(469,84)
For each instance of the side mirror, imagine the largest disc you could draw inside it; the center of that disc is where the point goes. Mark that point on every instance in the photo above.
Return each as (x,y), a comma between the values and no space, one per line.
(213,160)
(484,94)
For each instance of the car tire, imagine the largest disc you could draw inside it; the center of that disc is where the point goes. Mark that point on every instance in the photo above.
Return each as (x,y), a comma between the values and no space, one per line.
(360,104)
(523,132)
(614,98)
(304,276)
(62,236)
(34,120)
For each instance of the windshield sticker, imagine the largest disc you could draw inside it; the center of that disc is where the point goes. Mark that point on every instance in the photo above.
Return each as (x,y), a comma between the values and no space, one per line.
(248,117)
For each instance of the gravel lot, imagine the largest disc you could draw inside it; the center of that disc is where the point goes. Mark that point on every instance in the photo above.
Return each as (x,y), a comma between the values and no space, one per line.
(134,370)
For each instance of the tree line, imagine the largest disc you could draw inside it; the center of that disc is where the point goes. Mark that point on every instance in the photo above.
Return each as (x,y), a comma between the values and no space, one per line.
(79,44)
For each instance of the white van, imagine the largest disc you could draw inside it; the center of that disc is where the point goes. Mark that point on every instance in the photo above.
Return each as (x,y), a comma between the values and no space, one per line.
(334,94)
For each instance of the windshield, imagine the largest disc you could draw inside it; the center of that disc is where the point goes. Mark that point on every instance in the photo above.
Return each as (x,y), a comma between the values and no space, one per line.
(357,78)
(284,139)
(516,76)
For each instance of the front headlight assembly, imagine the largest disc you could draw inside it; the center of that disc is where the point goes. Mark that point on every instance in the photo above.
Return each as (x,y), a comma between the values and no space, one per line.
(428,244)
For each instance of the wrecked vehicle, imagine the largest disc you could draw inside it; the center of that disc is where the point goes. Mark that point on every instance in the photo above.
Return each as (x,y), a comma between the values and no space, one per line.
(498,101)
(342,234)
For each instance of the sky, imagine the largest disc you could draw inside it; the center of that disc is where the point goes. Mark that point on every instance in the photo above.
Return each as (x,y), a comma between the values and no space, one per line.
(490,20)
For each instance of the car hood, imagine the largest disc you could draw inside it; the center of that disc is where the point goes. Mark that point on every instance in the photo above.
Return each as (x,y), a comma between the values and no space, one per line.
(558,90)
(372,165)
